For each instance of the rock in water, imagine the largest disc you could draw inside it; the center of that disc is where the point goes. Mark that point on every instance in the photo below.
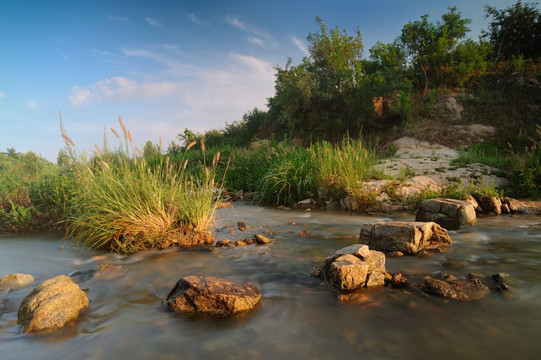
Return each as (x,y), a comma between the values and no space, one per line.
(15,281)
(449,213)
(457,289)
(212,296)
(51,305)
(406,237)
(353,267)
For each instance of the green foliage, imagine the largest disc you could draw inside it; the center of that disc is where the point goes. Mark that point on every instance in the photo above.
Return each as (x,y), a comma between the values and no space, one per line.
(430,47)
(342,168)
(323,98)
(526,175)
(514,31)
(127,205)
(289,177)
(483,153)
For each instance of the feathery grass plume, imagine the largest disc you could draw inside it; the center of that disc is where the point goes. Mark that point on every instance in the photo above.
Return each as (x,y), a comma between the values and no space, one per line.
(160,144)
(97,150)
(139,151)
(129,137)
(215,159)
(202,145)
(68,140)
(114,132)
(190,145)
(122,127)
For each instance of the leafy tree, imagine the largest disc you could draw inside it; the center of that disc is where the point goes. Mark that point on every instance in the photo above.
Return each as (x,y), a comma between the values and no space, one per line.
(323,97)
(430,46)
(150,150)
(514,31)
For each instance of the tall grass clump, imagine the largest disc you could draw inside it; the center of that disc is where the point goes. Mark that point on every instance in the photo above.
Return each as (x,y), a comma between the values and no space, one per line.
(290,175)
(125,205)
(342,168)
(527,173)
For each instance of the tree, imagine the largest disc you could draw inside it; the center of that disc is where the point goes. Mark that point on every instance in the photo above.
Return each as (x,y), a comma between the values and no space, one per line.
(150,150)
(323,97)
(514,31)
(429,46)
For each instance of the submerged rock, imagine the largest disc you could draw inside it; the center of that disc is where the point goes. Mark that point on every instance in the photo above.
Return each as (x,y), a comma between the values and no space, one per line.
(353,267)
(51,305)
(449,213)
(15,281)
(406,237)
(212,296)
(458,289)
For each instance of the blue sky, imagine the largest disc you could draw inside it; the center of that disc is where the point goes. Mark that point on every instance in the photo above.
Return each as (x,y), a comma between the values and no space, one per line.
(165,65)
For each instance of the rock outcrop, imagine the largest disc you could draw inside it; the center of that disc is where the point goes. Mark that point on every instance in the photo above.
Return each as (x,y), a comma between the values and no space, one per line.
(449,213)
(15,281)
(212,296)
(458,289)
(353,267)
(406,237)
(51,304)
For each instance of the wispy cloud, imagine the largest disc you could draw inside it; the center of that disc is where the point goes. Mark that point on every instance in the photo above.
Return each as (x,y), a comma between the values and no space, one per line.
(255,40)
(194,19)
(2,95)
(114,18)
(117,89)
(153,22)
(31,104)
(257,34)
(300,45)
(235,21)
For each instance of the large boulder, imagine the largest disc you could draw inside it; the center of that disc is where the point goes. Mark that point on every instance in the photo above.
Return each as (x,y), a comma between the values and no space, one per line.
(212,296)
(51,305)
(449,213)
(458,289)
(353,267)
(406,237)
(15,281)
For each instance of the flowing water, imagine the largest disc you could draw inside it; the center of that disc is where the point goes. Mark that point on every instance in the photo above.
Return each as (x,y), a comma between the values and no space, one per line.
(299,317)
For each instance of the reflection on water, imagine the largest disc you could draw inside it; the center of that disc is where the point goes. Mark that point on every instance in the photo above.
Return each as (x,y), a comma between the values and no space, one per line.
(299,316)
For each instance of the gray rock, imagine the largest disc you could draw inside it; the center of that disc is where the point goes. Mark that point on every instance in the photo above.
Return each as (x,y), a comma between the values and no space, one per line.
(449,213)
(212,296)
(406,237)
(51,304)
(457,289)
(16,281)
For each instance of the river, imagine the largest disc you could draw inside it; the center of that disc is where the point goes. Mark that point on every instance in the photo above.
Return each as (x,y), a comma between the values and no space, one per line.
(299,317)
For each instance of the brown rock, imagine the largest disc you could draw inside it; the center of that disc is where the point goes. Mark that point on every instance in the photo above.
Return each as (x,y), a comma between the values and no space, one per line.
(212,296)
(406,237)
(399,280)
(261,239)
(241,226)
(16,281)
(51,305)
(348,272)
(491,205)
(457,289)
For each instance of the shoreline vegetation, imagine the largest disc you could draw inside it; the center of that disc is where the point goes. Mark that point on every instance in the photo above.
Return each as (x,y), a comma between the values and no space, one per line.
(332,119)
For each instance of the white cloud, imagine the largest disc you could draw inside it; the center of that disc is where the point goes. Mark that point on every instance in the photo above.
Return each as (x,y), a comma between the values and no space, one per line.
(153,22)
(300,45)
(2,95)
(235,21)
(257,41)
(117,89)
(31,104)
(194,19)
